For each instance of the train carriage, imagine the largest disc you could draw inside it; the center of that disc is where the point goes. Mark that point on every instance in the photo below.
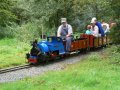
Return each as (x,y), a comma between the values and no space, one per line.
(108,40)
(104,40)
(100,41)
(79,44)
(74,45)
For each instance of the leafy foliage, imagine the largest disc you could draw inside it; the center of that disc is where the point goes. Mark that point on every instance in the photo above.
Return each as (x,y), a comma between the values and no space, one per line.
(115,32)
(6,15)
(46,14)
(78,12)
(22,9)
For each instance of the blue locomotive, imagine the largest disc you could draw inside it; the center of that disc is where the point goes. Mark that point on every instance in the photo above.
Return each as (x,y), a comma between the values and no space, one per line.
(44,50)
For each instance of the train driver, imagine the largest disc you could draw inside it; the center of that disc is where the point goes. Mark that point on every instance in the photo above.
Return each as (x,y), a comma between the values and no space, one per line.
(65,32)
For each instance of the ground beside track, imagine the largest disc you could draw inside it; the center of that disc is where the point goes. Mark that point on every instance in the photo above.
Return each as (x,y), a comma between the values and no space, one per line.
(12,52)
(93,71)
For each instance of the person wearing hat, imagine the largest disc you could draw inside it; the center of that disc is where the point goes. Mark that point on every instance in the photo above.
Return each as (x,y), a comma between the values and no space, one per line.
(95,29)
(101,31)
(65,32)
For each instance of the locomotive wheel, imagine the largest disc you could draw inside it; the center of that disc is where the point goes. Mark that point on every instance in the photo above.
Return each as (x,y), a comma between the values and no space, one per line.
(62,56)
(43,57)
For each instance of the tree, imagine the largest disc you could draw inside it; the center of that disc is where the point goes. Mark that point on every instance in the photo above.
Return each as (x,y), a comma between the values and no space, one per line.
(115,32)
(22,9)
(78,12)
(6,15)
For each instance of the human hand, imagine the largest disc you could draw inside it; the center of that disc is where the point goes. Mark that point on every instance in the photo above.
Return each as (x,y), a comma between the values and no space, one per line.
(67,35)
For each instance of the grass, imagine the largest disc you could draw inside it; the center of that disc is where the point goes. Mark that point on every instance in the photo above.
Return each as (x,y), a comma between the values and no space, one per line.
(96,72)
(12,52)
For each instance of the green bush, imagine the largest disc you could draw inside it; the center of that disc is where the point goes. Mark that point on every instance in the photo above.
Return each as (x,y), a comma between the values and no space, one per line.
(27,32)
(6,32)
(115,33)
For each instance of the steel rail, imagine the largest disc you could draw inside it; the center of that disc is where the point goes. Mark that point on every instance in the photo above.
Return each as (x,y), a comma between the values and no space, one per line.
(14,68)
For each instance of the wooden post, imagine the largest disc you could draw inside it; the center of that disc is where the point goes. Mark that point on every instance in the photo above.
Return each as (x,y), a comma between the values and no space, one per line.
(42,31)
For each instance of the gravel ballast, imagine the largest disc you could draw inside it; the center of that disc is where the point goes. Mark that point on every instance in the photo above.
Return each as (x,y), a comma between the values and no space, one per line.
(38,70)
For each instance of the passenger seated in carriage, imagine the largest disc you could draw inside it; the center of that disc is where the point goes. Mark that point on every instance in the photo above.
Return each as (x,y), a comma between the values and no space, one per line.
(105,27)
(89,30)
(65,32)
(98,24)
(95,29)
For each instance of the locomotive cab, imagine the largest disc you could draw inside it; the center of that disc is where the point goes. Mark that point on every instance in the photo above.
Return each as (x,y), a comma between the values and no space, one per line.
(55,44)
(54,39)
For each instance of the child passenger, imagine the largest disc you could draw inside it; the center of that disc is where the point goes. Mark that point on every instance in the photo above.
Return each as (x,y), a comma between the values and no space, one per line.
(88,31)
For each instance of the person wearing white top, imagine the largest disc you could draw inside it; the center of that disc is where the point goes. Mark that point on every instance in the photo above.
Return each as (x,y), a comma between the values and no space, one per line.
(68,26)
(106,27)
(65,32)
(95,30)
(101,30)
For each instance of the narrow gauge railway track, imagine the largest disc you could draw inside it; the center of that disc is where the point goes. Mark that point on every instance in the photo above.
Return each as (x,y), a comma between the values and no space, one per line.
(14,68)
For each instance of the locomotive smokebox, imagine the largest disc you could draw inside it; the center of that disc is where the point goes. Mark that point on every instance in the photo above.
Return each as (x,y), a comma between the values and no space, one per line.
(27,55)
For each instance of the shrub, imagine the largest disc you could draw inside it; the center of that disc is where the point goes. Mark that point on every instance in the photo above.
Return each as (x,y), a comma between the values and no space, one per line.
(115,33)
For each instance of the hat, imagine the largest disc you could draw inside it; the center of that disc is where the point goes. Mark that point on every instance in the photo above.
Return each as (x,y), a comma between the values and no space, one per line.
(63,20)
(93,20)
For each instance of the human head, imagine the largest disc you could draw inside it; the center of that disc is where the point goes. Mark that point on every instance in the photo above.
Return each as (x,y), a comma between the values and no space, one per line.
(92,24)
(64,21)
(103,21)
(94,20)
(88,27)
